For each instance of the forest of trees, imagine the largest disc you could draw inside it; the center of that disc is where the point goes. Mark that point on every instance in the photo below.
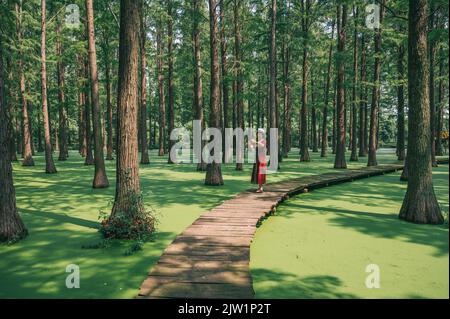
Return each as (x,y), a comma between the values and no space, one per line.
(129,72)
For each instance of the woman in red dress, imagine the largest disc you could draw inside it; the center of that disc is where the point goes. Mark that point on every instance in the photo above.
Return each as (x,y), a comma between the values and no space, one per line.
(261,164)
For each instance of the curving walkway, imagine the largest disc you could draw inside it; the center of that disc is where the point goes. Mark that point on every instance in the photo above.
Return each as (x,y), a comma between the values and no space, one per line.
(210,259)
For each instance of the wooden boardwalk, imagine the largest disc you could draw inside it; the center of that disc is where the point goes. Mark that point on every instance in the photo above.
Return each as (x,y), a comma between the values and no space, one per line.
(210,259)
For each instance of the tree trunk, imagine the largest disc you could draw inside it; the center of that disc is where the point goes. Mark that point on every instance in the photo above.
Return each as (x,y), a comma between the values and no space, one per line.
(89,160)
(440,111)
(372,161)
(26,133)
(100,178)
(363,102)
(143,105)
(287,101)
(324,145)
(213,170)
(432,58)
(82,107)
(161,94)
(171,93)
(339,161)
(49,164)
(420,204)
(128,200)
(224,65)
(109,110)
(304,153)
(239,80)
(60,67)
(198,83)
(400,105)
(354,127)
(11,225)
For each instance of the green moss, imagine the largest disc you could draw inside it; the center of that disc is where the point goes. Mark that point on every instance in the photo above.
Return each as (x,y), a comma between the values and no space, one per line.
(319,244)
(61,213)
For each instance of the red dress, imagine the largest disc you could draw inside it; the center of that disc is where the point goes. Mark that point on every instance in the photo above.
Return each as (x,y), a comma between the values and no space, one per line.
(262,165)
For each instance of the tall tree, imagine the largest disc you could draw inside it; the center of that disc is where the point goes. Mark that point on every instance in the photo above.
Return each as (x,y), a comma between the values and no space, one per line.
(11,225)
(400,104)
(363,113)
(339,161)
(324,144)
(198,83)
(420,204)
(239,78)
(304,153)
(354,127)
(213,169)
(161,94)
(432,59)
(100,178)
(26,132)
(128,200)
(143,105)
(89,160)
(170,80)
(49,163)
(375,107)
(224,66)
(63,121)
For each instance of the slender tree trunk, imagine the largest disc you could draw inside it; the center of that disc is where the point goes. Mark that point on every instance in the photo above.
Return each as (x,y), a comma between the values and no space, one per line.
(89,160)
(400,105)
(354,144)
(420,204)
(49,164)
(363,102)
(109,111)
(198,83)
(11,225)
(432,58)
(25,148)
(63,130)
(304,153)
(339,161)
(224,65)
(143,105)
(440,111)
(100,178)
(239,80)
(287,102)
(128,200)
(161,94)
(375,107)
(213,170)
(171,93)
(314,139)
(324,145)
(82,107)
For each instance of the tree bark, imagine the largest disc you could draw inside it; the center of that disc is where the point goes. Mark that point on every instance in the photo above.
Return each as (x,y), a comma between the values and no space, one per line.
(339,161)
(161,94)
(224,65)
(324,144)
(304,153)
(100,178)
(440,111)
(63,122)
(170,82)
(25,148)
(432,58)
(11,225)
(372,161)
(109,110)
(400,105)
(143,105)
(198,82)
(239,79)
(213,170)
(89,160)
(354,127)
(420,204)
(128,200)
(49,164)
(363,102)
